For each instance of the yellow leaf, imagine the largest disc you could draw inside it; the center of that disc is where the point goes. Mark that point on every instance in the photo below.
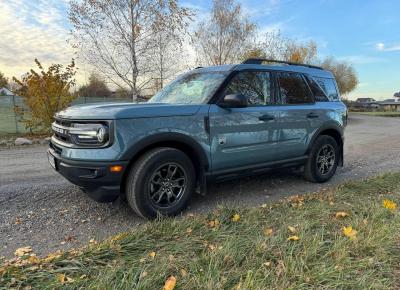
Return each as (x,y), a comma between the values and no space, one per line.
(22,251)
(152,254)
(142,260)
(341,214)
(33,260)
(189,231)
(268,231)
(267,264)
(170,283)
(235,218)
(264,205)
(389,204)
(293,238)
(64,279)
(349,232)
(292,229)
(52,256)
(17,221)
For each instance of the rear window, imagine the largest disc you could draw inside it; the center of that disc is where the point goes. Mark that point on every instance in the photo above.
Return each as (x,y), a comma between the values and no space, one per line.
(318,92)
(293,89)
(329,87)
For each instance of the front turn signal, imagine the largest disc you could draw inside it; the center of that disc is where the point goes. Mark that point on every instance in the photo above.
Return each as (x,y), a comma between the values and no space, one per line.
(116,168)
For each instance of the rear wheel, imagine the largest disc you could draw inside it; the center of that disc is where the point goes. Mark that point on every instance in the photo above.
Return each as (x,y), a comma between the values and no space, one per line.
(323,160)
(160,182)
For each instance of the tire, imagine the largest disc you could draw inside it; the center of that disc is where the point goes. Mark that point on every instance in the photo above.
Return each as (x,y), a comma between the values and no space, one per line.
(320,169)
(161,182)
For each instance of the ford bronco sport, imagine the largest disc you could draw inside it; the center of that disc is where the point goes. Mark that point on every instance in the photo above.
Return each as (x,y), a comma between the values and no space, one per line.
(210,124)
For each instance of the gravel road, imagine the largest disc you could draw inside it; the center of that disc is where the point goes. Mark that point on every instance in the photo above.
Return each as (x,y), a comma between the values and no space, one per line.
(38,208)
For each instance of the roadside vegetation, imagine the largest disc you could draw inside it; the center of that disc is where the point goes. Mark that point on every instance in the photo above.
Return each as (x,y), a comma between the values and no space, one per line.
(344,238)
(381,114)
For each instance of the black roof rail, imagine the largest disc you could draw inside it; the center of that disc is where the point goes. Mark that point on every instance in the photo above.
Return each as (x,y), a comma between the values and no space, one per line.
(261,60)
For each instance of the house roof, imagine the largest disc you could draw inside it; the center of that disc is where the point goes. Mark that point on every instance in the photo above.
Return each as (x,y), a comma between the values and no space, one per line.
(6,92)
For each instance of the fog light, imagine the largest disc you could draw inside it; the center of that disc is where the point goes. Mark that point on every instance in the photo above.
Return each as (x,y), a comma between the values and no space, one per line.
(116,168)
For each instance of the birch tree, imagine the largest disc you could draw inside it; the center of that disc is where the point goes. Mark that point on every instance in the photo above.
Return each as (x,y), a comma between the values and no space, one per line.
(116,37)
(224,36)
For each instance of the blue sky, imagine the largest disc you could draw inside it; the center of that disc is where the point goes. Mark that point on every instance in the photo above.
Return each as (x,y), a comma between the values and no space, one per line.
(365,33)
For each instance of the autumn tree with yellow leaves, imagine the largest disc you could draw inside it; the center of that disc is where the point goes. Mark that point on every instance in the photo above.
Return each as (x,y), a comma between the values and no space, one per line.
(44,93)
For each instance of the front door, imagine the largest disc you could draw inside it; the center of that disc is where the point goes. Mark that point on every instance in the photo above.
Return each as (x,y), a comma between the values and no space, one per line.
(245,136)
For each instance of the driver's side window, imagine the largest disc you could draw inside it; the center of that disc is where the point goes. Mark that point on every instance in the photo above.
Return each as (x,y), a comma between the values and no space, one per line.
(255,85)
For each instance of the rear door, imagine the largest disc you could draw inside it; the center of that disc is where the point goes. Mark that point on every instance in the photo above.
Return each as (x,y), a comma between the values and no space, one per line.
(245,136)
(298,115)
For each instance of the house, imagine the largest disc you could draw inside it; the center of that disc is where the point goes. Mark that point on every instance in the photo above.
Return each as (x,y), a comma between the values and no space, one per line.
(366,103)
(391,104)
(365,100)
(6,92)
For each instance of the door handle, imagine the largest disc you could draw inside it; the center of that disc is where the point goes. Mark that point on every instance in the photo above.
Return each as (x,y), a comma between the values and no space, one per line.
(312,115)
(266,117)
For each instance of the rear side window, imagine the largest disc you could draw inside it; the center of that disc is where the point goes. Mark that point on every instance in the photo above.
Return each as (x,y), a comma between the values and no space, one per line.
(329,87)
(319,94)
(293,89)
(255,85)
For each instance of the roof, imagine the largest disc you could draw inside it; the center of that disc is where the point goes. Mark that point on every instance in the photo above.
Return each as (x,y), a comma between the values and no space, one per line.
(316,72)
(6,92)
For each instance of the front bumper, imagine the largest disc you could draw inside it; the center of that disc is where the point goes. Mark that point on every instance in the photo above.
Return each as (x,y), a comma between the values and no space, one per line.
(94,177)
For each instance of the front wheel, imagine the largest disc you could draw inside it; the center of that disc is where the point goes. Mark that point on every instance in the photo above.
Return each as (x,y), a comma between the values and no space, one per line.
(160,182)
(323,160)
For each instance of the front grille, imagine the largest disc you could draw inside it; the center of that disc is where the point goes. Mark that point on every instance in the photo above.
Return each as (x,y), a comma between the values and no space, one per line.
(60,128)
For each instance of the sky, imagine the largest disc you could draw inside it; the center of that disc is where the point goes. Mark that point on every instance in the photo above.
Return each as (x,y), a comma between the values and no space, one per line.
(366,33)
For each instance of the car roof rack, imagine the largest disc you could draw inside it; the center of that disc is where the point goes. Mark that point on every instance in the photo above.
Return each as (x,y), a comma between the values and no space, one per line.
(261,60)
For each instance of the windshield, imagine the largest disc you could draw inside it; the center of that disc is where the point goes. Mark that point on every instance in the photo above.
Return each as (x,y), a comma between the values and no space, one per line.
(194,88)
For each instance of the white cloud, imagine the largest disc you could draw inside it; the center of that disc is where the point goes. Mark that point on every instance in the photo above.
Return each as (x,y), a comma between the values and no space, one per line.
(384,47)
(29,30)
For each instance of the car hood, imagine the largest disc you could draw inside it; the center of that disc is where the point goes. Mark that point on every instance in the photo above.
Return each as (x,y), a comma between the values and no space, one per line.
(110,111)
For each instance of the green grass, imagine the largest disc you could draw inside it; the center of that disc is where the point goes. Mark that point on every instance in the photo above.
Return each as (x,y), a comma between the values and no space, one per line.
(240,255)
(381,114)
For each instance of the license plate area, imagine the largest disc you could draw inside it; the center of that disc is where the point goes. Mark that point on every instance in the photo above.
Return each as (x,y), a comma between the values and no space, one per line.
(52,160)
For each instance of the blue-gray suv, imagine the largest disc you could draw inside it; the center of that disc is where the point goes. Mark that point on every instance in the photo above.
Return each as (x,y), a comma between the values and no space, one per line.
(210,124)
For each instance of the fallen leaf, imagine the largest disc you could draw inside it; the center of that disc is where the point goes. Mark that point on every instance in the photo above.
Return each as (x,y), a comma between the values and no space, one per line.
(341,214)
(389,204)
(17,221)
(235,218)
(268,231)
(213,223)
(189,231)
(292,229)
(64,279)
(33,259)
(142,260)
(183,272)
(152,254)
(349,232)
(22,251)
(50,257)
(143,274)
(264,205)
(170,283)
(267,264)
(92,241)
(293,238)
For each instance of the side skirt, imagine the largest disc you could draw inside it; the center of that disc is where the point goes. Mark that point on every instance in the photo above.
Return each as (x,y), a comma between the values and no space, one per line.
(232,173)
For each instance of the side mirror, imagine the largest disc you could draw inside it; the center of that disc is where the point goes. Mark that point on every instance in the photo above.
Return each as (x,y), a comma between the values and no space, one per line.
(234,101)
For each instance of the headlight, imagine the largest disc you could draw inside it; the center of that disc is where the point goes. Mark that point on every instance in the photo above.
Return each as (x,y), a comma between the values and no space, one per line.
(89,134)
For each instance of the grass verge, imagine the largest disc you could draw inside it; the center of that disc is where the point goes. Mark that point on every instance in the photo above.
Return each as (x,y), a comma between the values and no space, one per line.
(296,243)
(381,114)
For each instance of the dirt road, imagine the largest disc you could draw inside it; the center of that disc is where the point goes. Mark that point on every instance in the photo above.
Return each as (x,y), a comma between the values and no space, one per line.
(39,208)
